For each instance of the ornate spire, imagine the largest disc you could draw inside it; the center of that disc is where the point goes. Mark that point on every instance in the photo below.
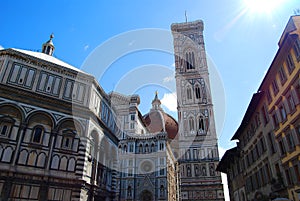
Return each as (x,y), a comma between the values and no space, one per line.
(48,47)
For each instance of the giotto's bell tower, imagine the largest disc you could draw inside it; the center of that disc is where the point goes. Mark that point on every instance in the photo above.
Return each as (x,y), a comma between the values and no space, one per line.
(198,146)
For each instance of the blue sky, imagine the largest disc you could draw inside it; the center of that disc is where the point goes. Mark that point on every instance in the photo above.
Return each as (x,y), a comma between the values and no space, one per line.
(241,42)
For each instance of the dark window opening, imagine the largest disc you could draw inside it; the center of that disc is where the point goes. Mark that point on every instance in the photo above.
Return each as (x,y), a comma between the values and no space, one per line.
(37,134)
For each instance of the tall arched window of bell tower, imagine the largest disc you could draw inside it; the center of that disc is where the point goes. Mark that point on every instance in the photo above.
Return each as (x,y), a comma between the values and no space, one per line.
(201,125)
(197,92)
(191,124)
(190,60)
(189,93)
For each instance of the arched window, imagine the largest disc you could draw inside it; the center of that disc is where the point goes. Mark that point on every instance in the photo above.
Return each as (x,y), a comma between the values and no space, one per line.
(131,148)
(188,169)
(4,129)
(190,60)
(196,169)
(55,162)
(161,146)
(32,158)
(125,148)
(68,138)
(212,169)
(37,134)
(201,125)
(147,148)
(162,191)
(6,124)
(66,143)
(71,165)
(129,191)
(7,154)
(204,170)
(191,124)
(197,92)
(63,163)
(187,61)
(92,147)
(41,159)
(140,148)
(189,93)
(188,155)
(23,157)
(152,147)
(193,60)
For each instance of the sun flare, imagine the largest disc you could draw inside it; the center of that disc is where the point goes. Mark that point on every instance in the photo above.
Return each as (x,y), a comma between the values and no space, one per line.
(262,6)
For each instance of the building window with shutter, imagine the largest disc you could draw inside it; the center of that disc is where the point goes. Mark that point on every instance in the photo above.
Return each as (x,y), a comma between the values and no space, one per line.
(297,49)
(282,75)
(288,176)
(297,172)
(291,103)
(290,141)
(269,98)
(271,142)
(275,120)
(281,147)
(282,112)
(265,114)
(275,87)
(290,63)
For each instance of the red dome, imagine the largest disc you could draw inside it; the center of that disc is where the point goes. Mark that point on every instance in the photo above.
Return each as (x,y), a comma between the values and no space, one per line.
(158,121)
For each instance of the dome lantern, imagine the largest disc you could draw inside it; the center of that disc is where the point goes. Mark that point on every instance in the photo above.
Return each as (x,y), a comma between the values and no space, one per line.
(156,102)
(48,47)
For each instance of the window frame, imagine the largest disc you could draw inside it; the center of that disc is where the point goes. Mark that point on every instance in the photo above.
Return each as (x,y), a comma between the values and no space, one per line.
(24,82)
(275,87)
(282,75)
(275,120)
(197,92)
(9,123)
(290,63)
(296,48)
(189,93)
(283,113)
(68,134)
(33,134)
(292,106)
(290,141)
(191,124)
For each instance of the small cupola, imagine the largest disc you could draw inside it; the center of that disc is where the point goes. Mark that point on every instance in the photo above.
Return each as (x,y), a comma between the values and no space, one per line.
(48,47)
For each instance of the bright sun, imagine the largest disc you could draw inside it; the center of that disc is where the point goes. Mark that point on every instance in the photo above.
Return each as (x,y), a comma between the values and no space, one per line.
(262,6)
